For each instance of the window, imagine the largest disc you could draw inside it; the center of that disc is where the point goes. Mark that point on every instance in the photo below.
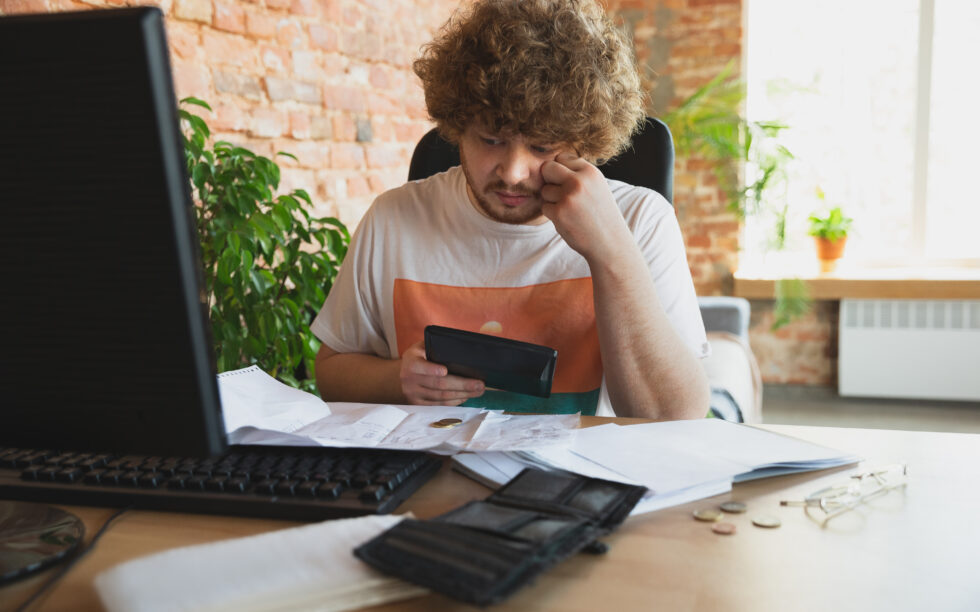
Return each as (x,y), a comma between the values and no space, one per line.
(880,102)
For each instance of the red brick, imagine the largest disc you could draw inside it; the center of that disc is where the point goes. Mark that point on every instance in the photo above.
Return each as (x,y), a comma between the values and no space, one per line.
(377,184)
(290,35)
(303,7)
(384,156)
(299,125)
(244,85)
(260,25)
(312,154)
(344,128)
(223,48)
(267,123)
(331,11)
(191,79)
(357,187)
(379,104)
(344,155)
(321,128)
(324,38)
(340,97)
(291,89)
(227,118)
(193,10)
(275,59)
(229,17)
(184,38)
(700,240)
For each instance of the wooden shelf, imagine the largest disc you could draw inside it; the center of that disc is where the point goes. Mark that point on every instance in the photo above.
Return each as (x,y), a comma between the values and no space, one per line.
(884,283)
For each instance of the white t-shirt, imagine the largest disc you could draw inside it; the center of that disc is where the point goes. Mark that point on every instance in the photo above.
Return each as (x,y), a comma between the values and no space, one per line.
(423,255)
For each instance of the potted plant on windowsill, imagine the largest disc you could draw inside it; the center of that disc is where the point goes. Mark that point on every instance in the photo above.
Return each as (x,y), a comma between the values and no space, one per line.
(830,233)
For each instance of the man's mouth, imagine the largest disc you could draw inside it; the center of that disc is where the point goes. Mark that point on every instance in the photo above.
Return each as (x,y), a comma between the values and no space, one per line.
(511,198)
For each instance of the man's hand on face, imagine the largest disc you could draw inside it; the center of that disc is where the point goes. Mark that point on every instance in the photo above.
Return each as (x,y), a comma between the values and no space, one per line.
(428,383)
(578,201)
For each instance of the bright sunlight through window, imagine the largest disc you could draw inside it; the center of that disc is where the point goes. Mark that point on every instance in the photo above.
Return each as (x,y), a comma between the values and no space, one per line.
(879,101)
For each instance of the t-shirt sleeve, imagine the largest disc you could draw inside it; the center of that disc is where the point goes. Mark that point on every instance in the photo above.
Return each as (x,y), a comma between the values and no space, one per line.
(349,320)
(659,236)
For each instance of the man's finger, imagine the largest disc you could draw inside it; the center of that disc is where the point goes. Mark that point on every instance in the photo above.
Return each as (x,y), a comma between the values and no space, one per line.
(555,172)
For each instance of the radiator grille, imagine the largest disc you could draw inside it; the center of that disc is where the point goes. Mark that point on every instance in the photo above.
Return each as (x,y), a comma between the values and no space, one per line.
(917,349)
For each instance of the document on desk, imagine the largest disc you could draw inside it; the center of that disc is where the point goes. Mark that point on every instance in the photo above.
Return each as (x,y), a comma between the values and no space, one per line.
(678,461)
(258,409)
(300,568)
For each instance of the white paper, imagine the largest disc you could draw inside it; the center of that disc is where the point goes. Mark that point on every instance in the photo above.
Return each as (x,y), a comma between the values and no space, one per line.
(258,409)
(250,397)
(678,461)
(524,431)
(301,568)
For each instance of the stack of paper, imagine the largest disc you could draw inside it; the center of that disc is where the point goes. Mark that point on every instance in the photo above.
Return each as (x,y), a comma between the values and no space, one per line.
(258,409)
(678,461)
(301,568)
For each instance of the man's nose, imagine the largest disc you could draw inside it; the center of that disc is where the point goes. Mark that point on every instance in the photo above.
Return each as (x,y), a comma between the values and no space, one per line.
(516,166)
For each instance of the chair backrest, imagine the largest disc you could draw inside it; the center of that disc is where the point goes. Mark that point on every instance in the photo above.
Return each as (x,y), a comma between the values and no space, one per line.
(647,162)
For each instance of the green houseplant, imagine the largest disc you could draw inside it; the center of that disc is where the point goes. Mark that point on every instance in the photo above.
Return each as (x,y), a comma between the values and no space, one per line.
(710,124)
(268,263)
(830,233)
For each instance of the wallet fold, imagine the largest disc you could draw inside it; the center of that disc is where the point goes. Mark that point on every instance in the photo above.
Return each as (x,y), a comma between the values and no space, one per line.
(484,551)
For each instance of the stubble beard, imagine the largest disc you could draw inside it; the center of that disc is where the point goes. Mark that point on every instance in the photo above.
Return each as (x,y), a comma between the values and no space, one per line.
(514,216)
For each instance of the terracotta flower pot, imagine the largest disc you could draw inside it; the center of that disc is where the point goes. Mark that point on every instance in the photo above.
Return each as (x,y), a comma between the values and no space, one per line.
(829,251)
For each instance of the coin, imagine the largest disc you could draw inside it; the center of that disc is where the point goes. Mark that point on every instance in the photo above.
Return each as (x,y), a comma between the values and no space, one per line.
(733,506)
(769,522)
(445,423)
(723,528)
(707,514)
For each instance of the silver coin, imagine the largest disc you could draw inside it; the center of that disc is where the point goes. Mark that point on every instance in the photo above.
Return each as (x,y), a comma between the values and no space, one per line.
(733,507)
(769,522)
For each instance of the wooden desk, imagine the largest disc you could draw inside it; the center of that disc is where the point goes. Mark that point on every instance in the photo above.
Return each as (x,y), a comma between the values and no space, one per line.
(915,549)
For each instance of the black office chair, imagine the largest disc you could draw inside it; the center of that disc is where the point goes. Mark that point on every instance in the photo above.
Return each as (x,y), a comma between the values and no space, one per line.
(736,393)
(648,162)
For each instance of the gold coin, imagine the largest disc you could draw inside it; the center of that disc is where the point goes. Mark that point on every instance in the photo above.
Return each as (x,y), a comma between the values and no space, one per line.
(723,528)
(445,423)
(769,522)
(707,514)
(733,506)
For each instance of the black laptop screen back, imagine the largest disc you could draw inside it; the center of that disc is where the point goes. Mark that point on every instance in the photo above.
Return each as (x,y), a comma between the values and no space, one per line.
(105,342)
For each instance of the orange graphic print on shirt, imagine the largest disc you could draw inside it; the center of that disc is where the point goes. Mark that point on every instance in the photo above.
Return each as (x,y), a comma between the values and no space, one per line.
(559,314)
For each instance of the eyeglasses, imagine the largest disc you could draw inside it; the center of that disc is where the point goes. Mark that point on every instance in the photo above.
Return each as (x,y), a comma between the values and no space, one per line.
(835,500)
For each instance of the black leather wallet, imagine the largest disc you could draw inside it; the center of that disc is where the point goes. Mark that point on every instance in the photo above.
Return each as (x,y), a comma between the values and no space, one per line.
(502,363)
(484,551)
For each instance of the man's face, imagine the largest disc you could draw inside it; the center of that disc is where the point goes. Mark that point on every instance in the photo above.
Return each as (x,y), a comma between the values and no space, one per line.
(503,174)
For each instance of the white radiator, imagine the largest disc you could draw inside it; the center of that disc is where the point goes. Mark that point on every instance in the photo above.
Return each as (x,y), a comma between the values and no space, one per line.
(917,349)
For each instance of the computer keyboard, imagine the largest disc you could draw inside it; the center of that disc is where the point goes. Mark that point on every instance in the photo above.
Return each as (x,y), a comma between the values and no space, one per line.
(293,483)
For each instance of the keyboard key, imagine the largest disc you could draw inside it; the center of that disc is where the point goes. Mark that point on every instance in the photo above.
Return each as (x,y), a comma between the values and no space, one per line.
(373,493)
(70,474)
(236,484)
(266,486)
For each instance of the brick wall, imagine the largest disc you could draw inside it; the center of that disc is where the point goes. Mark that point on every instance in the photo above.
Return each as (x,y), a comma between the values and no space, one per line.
(681,45)
(326,80)
(330,81)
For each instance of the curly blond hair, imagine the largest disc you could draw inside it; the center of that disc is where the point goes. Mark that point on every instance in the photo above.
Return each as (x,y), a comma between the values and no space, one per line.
(553,71)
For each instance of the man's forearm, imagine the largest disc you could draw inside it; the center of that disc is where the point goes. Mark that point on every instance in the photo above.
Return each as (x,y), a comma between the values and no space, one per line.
(649,370)
(356,377)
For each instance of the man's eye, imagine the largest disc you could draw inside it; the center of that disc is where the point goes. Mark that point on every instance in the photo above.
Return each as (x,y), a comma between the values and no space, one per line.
(542,149)
(490,141)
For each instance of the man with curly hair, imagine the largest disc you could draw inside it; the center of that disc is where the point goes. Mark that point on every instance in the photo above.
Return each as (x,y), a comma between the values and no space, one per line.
(525,239)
